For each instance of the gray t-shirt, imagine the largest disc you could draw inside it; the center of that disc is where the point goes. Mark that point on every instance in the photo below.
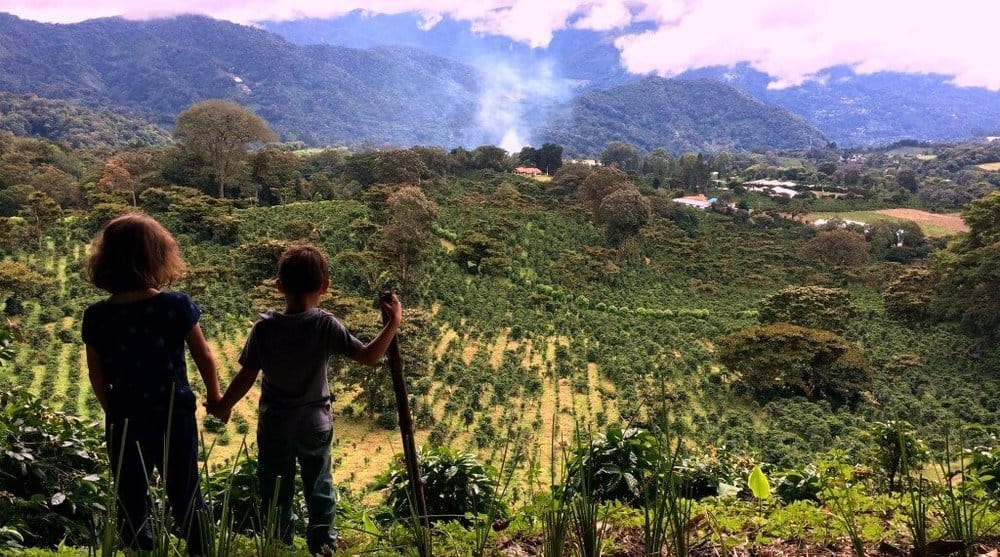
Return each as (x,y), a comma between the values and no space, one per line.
(292,351)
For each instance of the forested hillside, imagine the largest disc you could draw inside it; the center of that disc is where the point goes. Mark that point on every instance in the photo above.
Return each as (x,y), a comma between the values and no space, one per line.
(680,116)
(317,94)
(323,94)
(581,317)
(74,125)
(876,109)
(847,107)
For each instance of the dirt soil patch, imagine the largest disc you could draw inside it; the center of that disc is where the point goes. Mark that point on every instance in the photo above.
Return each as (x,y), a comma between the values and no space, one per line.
(951,222)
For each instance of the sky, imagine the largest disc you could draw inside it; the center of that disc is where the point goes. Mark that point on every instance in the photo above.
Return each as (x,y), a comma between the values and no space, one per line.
(791,40)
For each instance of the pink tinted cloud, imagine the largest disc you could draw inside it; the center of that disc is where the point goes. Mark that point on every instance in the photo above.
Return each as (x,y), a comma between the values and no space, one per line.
(792,40)
(795,41)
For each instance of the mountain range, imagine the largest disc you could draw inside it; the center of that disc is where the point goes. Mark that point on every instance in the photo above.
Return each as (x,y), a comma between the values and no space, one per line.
(380,80)
(846,107)
(317,94)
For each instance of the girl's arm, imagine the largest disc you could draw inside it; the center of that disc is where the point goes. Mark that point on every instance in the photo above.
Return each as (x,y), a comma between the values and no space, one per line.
(95,370)
(201,353)
(235,392)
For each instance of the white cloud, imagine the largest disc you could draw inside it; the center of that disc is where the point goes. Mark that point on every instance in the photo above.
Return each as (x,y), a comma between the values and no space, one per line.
(792,40)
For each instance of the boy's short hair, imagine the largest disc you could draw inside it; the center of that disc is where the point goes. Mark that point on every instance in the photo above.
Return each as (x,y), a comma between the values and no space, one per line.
(302,270)
(134,252)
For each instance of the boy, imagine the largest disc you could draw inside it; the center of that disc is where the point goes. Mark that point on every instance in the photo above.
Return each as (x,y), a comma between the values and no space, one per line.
(292,349)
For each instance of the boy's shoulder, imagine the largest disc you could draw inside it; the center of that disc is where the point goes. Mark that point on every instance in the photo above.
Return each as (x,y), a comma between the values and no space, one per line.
(274,321)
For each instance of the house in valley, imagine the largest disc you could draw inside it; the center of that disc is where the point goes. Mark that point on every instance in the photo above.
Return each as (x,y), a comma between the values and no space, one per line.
(529,171)
(696,201)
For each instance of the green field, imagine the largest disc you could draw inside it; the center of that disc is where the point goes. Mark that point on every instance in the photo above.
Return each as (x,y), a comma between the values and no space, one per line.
(933,225)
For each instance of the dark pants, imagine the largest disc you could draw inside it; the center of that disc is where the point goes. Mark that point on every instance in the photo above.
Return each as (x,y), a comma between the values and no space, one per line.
(276,459)
(133,457)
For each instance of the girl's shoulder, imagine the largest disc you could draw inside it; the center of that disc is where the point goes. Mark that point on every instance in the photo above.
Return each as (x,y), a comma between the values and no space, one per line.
(173,299)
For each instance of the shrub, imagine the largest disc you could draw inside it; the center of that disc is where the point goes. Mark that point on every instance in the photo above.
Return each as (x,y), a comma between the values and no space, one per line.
(837,248)
(618,463)
(50,487)
(237,479)
(455,485)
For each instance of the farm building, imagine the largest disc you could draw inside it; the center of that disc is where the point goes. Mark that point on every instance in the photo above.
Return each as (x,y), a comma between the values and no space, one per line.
(774,188)
(772,183)
(528,171)
(696,201)
(843,223)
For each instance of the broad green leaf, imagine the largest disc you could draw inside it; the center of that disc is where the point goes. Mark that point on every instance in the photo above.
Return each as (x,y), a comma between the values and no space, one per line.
(758,484)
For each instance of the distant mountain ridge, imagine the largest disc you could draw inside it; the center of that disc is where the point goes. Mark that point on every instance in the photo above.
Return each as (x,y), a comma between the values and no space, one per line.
(318,94)
(324,94)
(678,115)
(875,109)
(850,109)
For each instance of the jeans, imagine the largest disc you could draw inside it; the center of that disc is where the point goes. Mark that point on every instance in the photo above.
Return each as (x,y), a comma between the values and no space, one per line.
(135,449)
(276,460)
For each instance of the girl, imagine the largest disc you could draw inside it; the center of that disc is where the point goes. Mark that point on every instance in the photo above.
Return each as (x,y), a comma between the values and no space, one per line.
(135,354)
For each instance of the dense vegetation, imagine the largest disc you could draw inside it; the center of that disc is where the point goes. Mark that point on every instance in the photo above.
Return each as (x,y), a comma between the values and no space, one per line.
(325,94)
(679,116)
(560,330)
(320,94)
(850,108)
(74,125)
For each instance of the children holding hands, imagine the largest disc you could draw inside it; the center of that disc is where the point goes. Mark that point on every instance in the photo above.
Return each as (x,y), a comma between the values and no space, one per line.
(135,343)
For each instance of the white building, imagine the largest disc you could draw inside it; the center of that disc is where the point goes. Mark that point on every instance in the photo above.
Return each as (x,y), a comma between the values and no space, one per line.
(696,201)
(844,223)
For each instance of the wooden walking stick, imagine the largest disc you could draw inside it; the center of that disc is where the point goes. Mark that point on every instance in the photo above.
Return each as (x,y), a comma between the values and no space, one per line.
(405,421)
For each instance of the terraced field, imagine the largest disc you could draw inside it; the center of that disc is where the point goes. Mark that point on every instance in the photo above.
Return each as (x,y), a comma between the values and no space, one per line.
(570,337)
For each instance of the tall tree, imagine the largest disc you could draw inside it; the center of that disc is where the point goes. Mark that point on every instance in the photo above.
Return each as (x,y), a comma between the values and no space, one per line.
(569,178)
(783,359)
(815,307)
(837,248)
(220,133)
(624,213)
(969,271)
(128,172)
(407,237)
(276,174)
(40,213)
(598,185)
(622,155)
(489,157)
(693,171)
(400,166)
(528,156)
(549,158)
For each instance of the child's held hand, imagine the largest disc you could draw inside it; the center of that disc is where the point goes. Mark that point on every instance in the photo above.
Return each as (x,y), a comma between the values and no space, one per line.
(221,411)
(394,310)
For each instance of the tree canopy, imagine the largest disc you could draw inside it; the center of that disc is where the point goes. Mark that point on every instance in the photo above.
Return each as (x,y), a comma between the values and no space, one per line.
(815,307)
(782,359)
(220,133)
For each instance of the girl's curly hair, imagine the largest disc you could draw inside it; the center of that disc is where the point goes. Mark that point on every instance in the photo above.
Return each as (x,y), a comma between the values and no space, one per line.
(134,252)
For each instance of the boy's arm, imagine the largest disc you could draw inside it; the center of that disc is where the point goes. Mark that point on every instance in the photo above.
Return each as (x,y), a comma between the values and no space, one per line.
(373,351)
(235,392)
(95,370)
(201,353)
